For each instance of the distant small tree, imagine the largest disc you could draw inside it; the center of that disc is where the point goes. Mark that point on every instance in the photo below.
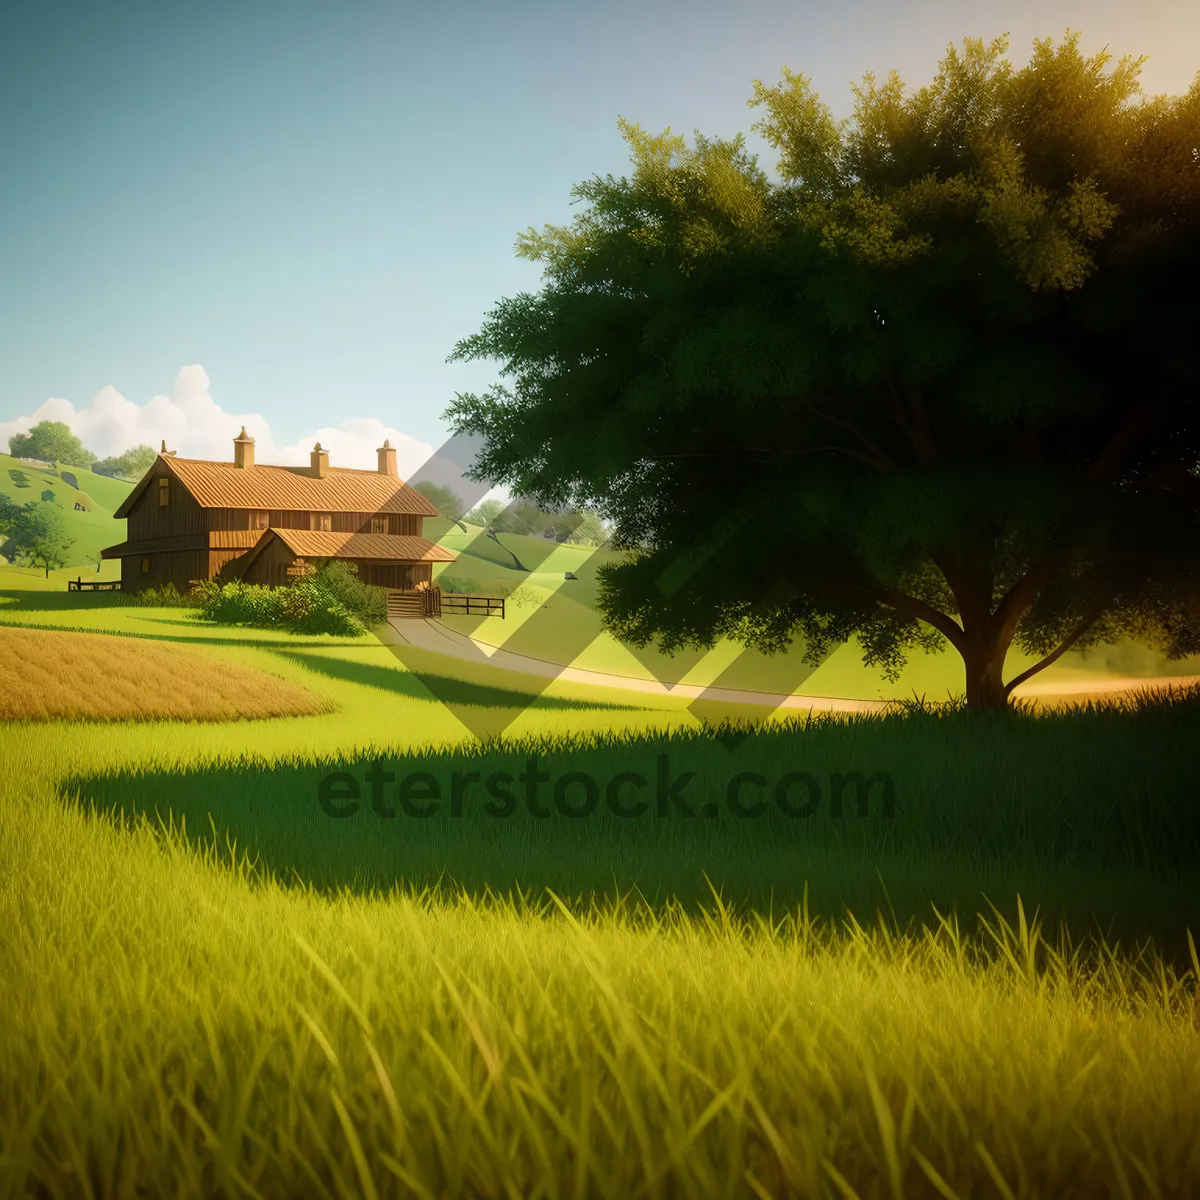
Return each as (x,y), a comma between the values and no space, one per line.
(132,464)
(589,531)
(522,517)
(38,535)
(51,441)
(448,503)
(485,512)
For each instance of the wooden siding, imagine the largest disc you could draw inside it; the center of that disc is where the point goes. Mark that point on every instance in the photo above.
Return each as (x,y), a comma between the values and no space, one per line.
(179,567)
(147,519)
(223,564)
(270,566)
(404,576)
(396,523)
(228,518)
(342,522)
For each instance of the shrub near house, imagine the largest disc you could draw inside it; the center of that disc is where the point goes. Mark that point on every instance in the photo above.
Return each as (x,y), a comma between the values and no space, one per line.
(332,600)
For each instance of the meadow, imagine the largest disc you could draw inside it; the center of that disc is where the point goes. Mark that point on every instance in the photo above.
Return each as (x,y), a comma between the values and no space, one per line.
(213,987)
(87,500)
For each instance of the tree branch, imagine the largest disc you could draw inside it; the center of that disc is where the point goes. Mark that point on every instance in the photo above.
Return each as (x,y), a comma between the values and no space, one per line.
(919,435)
(725,454)
(924,432)
(1055,655)
(1014,603)
(910,606)
(882,465)
(968,593)
(851,427)
(1136,423)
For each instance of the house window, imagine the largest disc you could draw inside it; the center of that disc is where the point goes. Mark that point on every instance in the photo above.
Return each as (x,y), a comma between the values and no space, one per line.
(145,566)
(379,525)
(258,518)
(322,522)
(164,493)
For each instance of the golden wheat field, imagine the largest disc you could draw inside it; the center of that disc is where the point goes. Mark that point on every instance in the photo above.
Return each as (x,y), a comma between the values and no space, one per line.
(49,674)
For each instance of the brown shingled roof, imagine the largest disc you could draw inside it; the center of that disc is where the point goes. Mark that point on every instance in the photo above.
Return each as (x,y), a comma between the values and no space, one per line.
(319,544)
(303,542)
(291,489)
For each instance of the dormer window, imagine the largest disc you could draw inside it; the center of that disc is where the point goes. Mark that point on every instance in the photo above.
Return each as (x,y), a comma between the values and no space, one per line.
(164,493)
(321,522)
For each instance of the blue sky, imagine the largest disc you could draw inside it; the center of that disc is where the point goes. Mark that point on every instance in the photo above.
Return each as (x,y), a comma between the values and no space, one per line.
(314,203)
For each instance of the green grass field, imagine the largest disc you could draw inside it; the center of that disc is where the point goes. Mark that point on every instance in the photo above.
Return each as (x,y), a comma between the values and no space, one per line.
(213,988)
(559,622)
(93,527)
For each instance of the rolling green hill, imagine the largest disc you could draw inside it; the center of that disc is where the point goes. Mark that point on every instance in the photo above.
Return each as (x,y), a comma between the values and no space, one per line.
(88,505)
(490,564)
(107,492)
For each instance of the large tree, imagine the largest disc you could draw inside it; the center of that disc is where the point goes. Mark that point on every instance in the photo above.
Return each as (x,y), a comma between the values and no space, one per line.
(37,535)
(938,386)
(51,441)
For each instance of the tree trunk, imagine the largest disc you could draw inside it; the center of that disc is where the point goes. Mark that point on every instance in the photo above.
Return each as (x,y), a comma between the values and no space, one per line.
(984,662)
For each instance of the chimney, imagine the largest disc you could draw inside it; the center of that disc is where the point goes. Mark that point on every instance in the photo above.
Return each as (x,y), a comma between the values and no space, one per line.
(320,460)
(243,449)
(387,459)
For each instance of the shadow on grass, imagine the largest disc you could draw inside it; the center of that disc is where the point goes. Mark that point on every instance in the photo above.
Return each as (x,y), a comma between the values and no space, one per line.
(38,601)
(1090,817)
(449,689)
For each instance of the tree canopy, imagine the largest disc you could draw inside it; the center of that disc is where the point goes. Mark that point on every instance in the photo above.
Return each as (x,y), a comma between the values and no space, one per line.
(485,512)
(132,464)
(936,386)
(51,441)
(445,499)
(9,512)
(36,534)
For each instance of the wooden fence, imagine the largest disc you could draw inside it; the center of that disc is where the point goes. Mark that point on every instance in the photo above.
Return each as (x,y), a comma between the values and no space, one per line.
(93,585)
(433,602)
(460,604)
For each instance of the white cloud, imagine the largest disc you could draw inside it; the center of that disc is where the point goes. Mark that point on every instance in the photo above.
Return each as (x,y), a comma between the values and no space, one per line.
(195,426)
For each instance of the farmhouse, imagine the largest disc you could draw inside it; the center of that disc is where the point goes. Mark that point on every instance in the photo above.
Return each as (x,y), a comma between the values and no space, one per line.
(189,520)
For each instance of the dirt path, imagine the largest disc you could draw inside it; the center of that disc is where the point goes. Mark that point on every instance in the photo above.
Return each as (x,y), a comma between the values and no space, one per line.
(1080,691)
(433,635)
